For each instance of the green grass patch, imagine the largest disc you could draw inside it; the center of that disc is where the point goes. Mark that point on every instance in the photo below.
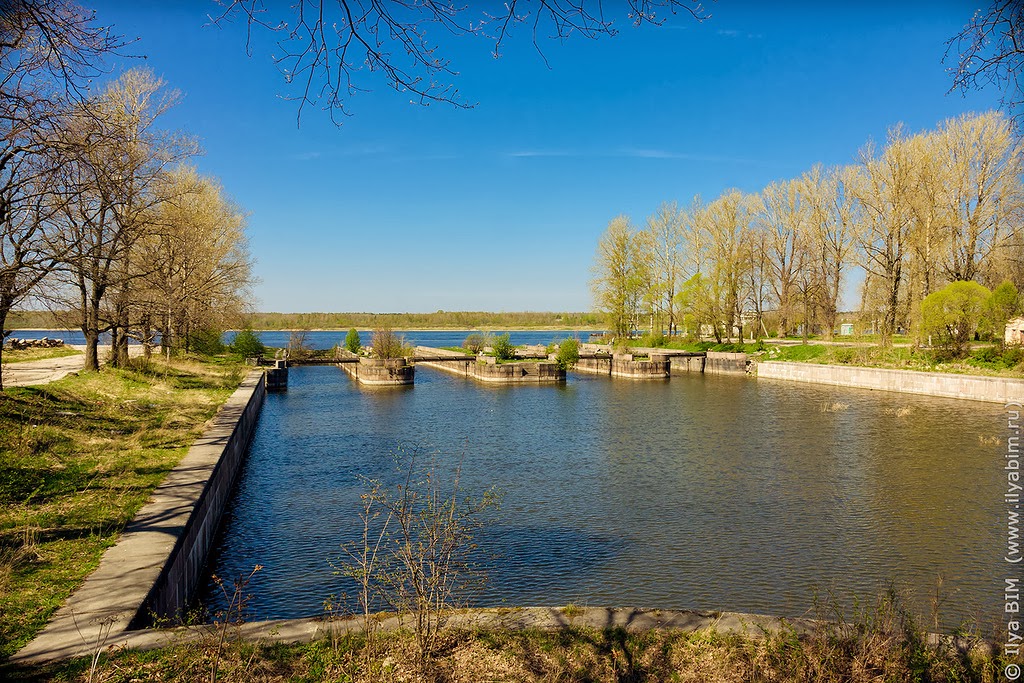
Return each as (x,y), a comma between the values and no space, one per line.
(458,349)
(988,360)
(25,355)
(78,458)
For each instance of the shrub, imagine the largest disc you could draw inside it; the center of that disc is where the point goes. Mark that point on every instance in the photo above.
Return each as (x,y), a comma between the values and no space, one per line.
(503,348)
(655,339)
(474,342)
(953,314)
(352,341)
(206,342)
(845,355)
(247,344)
(387,344)
(568,353)
(298,345)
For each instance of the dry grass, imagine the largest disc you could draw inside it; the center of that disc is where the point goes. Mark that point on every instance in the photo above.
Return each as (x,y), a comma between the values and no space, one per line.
(569,655)
(78,458)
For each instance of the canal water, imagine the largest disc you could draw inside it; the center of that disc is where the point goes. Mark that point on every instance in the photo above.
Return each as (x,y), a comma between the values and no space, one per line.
(706,492)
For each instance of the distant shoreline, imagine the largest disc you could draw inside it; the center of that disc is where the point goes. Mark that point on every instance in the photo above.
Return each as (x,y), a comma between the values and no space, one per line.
(370,329)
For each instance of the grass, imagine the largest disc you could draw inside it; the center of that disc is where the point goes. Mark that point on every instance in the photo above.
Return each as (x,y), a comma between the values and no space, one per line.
(458,349)
(988,360)
(25,355)
(886,646)
(78,458)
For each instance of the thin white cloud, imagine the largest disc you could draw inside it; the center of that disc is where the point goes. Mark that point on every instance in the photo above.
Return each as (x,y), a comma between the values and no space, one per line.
(528,153)
(631,153)
(733,33)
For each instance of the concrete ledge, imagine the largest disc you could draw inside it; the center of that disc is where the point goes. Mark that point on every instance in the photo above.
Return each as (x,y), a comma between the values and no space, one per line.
(634,620)
(507,373)
(499,619)
(157,562)
(947,385)
(380,372)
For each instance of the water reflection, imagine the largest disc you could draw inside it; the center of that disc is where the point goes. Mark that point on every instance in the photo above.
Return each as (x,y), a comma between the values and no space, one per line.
(699,492)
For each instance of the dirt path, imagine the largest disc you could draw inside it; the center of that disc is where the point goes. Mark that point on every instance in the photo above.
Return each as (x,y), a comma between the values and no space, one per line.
(49,369)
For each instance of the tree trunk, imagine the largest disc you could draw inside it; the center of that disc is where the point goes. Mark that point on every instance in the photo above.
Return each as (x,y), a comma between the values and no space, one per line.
(3,338)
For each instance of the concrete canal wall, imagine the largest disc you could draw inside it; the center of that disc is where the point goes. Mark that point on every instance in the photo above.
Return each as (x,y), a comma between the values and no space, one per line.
(504,373)
(992,389)
(626,366)
(722,363)
(158,561)
(381,372)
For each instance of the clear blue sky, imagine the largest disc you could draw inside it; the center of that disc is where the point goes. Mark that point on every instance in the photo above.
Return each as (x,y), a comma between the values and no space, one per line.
(499,207)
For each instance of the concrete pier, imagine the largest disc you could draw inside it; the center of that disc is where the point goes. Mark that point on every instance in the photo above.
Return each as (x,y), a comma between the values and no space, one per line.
(381,372)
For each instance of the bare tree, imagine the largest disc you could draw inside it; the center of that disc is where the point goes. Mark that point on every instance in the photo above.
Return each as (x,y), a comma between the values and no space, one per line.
(725,225)
(990,51)
(50,46)
(984,195)
(620,272)
(199,267)
(325,44)
(118,158)
(833,217)
(887,194)
(48,49)
(666,240)
(784,219)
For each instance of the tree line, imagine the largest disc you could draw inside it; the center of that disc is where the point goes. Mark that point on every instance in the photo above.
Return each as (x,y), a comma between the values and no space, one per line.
(920,212)
(101,215)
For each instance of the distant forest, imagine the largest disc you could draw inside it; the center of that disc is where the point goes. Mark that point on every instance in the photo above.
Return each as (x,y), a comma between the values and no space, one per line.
(455,320)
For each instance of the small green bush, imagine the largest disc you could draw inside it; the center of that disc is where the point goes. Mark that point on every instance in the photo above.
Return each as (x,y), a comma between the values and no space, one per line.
(247,344)
(845,356)
(474,342)
(655,339)
(568,353)
(352,341)
(503,348)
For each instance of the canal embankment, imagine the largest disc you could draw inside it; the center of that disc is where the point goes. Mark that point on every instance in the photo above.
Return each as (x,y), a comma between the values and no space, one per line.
(154,568)
(487,369)
(939,384)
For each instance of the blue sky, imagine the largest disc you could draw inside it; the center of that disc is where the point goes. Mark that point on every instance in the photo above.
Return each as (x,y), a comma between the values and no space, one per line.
(499,207)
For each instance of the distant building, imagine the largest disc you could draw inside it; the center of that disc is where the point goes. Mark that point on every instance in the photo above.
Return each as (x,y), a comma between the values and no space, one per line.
(846,329)
(1014,332)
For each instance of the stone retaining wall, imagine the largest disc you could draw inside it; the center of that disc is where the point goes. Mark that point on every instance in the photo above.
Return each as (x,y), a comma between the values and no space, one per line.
(992,389)
(504,373)
(689,363)
(156,564)
(381,372)
(722,363)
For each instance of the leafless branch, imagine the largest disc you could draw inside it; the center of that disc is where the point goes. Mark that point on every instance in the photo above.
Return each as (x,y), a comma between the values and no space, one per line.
(325,44)
(990,51)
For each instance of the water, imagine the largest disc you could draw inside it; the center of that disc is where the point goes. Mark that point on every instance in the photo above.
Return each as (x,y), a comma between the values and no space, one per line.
(700,492)
(437,338)
(329,339)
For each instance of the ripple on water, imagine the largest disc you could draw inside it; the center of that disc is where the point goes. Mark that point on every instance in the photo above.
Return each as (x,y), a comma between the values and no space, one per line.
(701,492)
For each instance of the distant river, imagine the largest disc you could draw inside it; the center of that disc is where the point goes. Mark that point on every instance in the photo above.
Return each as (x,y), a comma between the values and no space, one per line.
(699,492)
(328,339)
